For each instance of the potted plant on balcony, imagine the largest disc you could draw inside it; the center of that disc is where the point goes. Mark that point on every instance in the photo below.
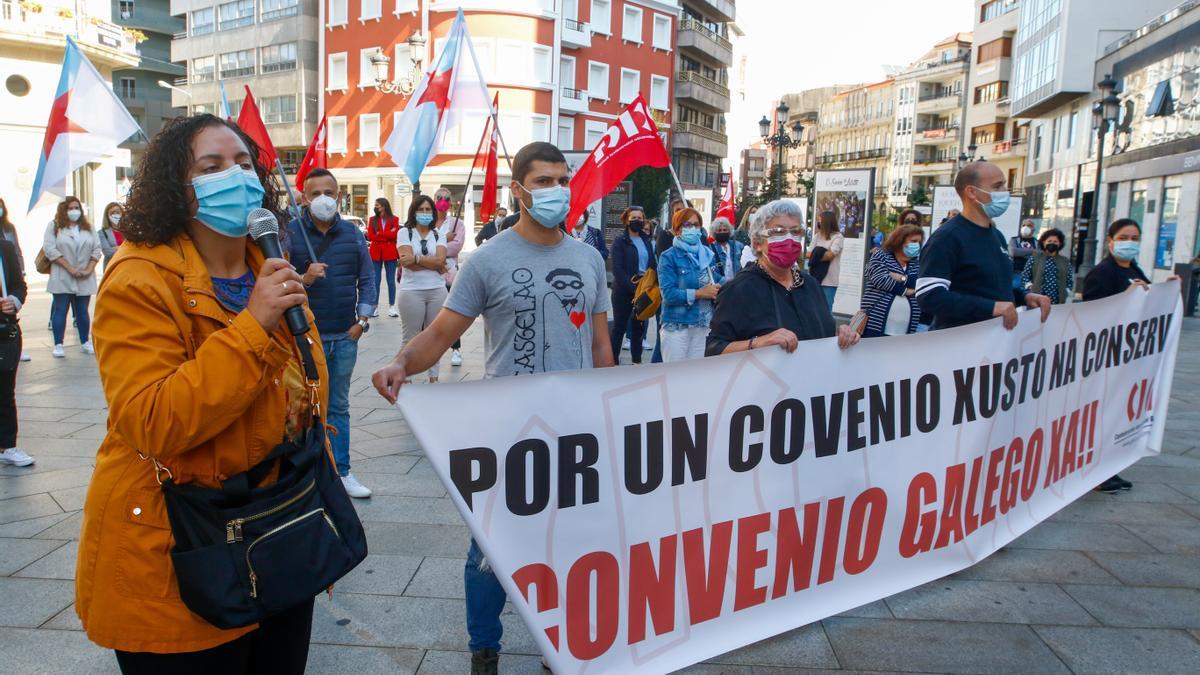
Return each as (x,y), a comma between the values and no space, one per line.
(65,13)
(31,7)
(136,35)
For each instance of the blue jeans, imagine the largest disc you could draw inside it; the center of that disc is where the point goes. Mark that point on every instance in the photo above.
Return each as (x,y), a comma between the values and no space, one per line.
(830,292)
(58,315)
(340,356)
(391,280)
(485,601)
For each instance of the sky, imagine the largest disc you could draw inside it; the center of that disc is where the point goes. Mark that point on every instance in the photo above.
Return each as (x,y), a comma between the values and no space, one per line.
(793,45)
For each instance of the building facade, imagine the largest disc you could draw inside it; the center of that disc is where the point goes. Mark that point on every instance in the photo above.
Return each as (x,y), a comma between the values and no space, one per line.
(563,71)
(31,55)
(702,92)
(753,169)
(148,102)
(992,133)
(805,107)
(928,131)
(855,132)
(271,46)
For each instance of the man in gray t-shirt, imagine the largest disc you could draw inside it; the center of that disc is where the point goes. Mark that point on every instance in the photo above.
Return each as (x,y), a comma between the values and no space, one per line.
(544,301)
(537,302)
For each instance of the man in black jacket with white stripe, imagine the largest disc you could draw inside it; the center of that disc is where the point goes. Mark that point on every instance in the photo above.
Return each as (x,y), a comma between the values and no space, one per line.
(966,271)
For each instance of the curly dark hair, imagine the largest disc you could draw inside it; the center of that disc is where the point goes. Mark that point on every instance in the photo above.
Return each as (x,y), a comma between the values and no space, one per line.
(156,210)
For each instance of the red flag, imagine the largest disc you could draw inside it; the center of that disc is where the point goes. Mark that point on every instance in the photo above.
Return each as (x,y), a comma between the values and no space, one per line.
(488,205)
(631,142)
(314,158)
(251,124)
(725,209)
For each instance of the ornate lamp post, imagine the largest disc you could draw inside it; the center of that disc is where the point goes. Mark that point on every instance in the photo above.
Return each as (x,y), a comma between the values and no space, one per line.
(1104,115)
(780,139)
(406,82)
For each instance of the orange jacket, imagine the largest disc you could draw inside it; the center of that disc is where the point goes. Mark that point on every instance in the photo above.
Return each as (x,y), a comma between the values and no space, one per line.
(200,389)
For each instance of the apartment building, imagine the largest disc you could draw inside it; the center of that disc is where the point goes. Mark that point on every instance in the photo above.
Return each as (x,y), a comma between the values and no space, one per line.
(992,133)
(702,92)
(153,27)
(856,132)
(32,42)
(563,70)
(805,107)
(270,46)
(753,169)
(930,106)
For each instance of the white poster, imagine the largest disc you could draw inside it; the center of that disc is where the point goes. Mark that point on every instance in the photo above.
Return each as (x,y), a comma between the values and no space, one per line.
(848,194)
(945,199)
(673,512)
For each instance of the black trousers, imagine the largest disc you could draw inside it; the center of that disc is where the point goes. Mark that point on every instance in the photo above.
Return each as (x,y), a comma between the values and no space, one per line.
(622,314)
(280,645)
(8,409)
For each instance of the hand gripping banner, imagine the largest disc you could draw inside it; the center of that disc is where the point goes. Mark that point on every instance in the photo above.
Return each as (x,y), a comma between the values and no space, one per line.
(643,519)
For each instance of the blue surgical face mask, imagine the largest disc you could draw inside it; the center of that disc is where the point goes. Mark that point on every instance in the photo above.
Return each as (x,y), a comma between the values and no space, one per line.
(999,204)
(225,198)
(550,205)
(690,235)
(425,219)
(912,249)
(1126,250)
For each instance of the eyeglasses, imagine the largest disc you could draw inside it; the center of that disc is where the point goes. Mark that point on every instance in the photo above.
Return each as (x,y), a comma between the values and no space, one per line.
(562,285)
(691,223)
(783,232)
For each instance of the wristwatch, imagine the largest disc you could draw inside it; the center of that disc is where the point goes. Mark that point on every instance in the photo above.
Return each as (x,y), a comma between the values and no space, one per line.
(364,325)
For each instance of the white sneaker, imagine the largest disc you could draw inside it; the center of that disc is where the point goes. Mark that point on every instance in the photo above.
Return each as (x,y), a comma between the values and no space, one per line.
(25,357)
(625,345)
(375,313)
(87,348)
(354,488)
(16,457)
(393,312)
(456,358)
(59,352)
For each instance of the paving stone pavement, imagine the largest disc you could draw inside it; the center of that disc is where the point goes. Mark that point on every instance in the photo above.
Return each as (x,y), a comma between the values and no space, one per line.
(1109,584)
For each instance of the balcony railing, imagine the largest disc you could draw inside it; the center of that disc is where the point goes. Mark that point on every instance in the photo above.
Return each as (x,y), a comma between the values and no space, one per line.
(281,13)
(278,66)
(697,78)
(245,71)
(703,132)
(938,133)
(48,23)
(938,96)
(574,94)
(693,25)
(572,24)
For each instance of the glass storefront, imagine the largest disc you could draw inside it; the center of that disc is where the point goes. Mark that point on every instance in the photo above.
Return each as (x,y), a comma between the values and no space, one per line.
(1164,252)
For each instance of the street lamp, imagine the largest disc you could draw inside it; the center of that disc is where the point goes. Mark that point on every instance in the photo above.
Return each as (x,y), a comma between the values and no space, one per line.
(780,139)
(406,83)
(1104,115)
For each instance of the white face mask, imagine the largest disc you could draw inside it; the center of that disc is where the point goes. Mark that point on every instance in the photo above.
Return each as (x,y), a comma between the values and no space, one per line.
(74,215)
(323,208)
(115,218)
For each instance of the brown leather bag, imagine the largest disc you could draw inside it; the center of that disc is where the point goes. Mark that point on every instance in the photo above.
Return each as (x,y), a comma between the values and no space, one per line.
(41,262)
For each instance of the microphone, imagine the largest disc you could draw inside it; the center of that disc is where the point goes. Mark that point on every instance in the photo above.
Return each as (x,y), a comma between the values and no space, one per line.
(264,230)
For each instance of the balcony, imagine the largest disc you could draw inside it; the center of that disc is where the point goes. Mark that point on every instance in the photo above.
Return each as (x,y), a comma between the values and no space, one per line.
(722,10)
(691,136)
(936,136)
(576,34)
(572,100)
(692,86)
(697,39)
(932,166)
(105,43)
(1007,149)
(935,103)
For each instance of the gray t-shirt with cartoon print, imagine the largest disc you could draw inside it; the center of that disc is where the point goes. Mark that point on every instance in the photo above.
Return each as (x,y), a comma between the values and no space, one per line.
(537,302)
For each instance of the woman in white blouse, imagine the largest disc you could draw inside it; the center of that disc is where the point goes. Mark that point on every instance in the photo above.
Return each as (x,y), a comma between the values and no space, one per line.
(73,250)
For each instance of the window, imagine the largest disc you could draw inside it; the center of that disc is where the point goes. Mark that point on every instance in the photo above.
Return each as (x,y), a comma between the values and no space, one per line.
(401,62)
(996,49)
(368,133)
(128,87)
(125,8)
(631,26)
(631,83)
(370,9)
(236,14)
(278,58)
(279,9)
(1072,126)
(235,108)
(201,108)
(995,91)
(566,133)
(566,72)
(204,69)
(598,80)
(403,6)
(995,8)
(523,62)
(338,14)
(1164,252)
(593,131)
(602,16)
(539,129)
(201,21)
(366,72)
(570,10)
(279,109)
(337,134)
(662,32)
(237,64)
(337,72)
(659,86)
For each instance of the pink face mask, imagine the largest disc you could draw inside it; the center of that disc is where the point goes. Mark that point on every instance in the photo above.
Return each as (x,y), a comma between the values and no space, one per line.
(784,251)
(442,204)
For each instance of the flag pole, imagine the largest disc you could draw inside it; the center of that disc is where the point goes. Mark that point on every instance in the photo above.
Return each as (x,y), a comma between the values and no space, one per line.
(678,186)
(295,209)
(471,173)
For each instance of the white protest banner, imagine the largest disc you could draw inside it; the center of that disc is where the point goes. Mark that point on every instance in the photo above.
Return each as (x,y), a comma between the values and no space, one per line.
(643,519)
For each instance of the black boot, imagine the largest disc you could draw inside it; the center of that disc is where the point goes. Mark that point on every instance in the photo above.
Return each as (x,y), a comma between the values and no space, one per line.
(1110,486)
(1125,485)
(485,662)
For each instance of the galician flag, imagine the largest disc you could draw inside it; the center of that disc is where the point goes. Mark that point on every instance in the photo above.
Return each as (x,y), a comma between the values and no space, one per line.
(87,121)
(452,86)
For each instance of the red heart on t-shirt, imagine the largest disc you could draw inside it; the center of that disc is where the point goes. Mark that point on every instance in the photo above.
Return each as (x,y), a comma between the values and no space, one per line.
(578,318)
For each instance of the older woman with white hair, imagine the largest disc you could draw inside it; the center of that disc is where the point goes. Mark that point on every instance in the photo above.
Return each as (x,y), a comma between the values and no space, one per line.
(727,249)
(773,302)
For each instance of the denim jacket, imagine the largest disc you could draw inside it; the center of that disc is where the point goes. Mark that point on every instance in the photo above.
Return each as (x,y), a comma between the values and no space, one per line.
(679,279)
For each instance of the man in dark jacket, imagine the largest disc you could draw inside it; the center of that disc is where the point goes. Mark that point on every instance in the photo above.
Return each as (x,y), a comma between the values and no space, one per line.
(493,227)
(632,254)
(10,303)
(341,294)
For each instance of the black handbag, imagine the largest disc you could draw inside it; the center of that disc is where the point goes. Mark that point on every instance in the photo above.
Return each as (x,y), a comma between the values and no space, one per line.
(10,344)
(243,552)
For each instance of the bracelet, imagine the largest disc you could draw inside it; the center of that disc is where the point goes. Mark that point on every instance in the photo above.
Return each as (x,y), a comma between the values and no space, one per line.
(751,345)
